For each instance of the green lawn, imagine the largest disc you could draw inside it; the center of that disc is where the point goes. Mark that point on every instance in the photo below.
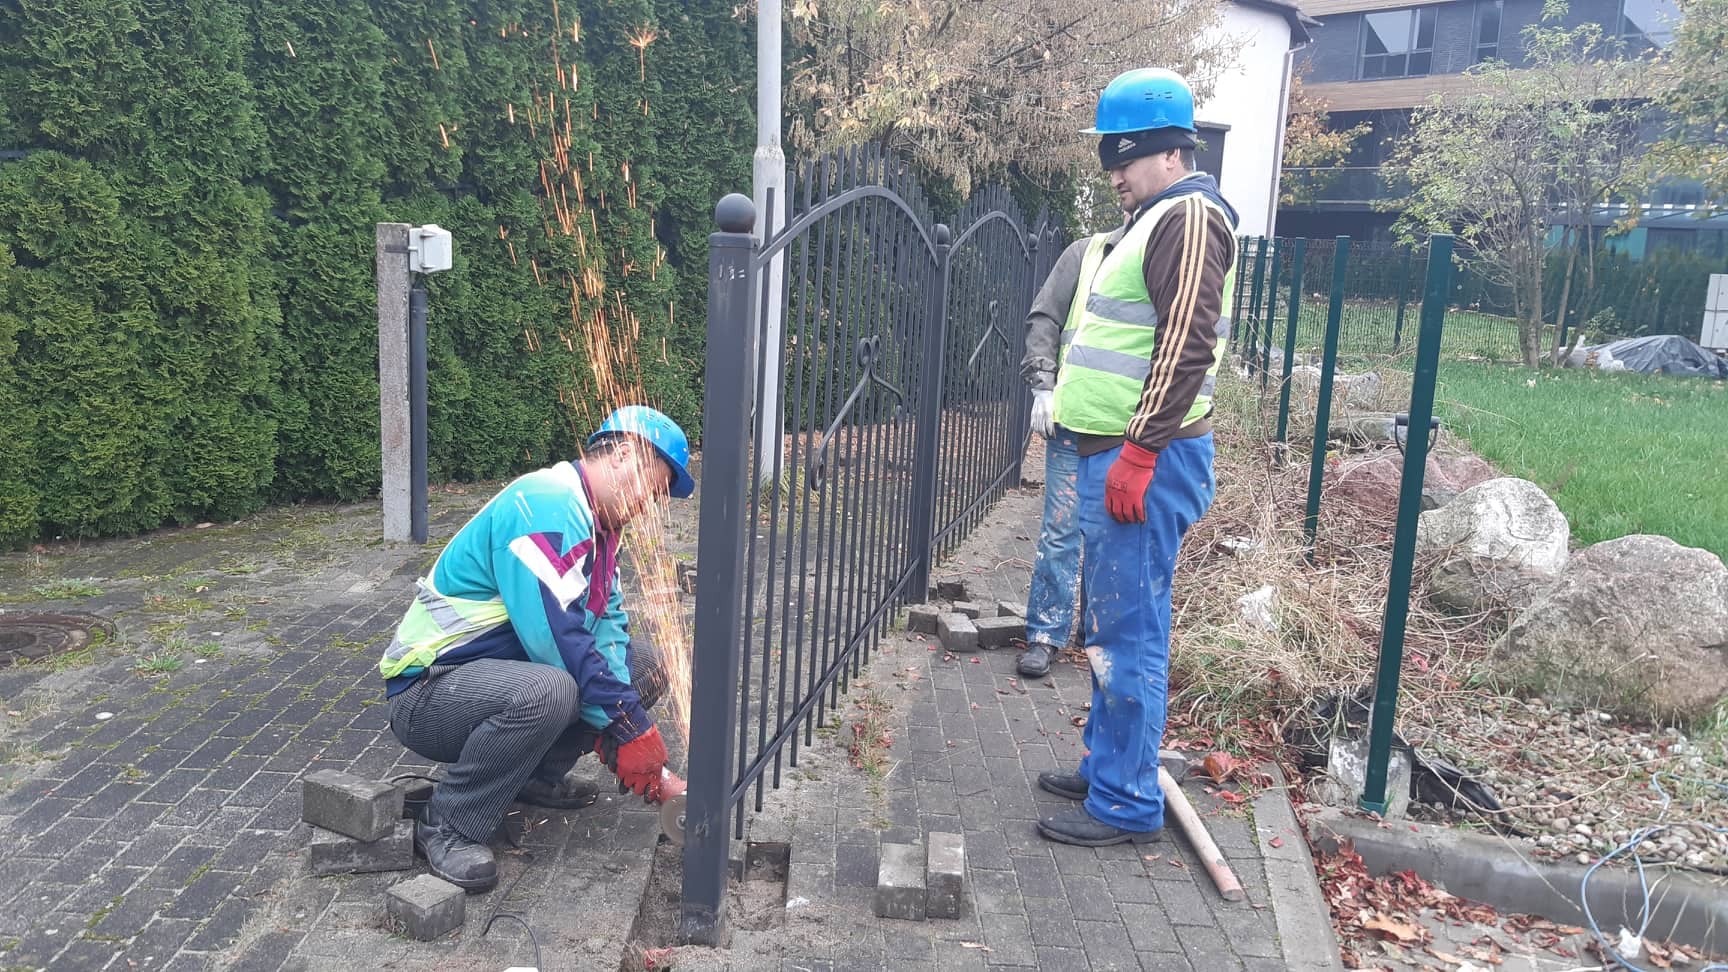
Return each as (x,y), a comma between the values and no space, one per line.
(1620,453)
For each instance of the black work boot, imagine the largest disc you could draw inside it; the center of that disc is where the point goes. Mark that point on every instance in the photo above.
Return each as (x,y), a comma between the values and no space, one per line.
(1035,660)
(1070,785)
(1082,829)
(568,793)
(453,857)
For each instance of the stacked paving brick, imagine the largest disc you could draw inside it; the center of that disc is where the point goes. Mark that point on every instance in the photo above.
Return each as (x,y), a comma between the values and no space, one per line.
(962,626)
(915,883)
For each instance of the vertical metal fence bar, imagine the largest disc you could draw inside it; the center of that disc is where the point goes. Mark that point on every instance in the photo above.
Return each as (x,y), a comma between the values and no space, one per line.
(929,420)
(810,345)
(1403,292)
(1409,507)
(844,344)
(1237,321)
(798,326)
(821,612)
(719,609)
(1271,316)
(1297,262)
(1253,358)
(756,380)
(1323,413)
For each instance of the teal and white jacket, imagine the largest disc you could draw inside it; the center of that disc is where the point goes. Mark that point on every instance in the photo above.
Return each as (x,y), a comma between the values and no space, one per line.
(529,578)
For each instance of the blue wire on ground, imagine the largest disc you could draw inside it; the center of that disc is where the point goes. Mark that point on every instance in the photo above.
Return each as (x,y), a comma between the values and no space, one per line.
(1631,847)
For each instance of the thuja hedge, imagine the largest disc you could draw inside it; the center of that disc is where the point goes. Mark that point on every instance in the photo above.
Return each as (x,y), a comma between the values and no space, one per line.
(187,202)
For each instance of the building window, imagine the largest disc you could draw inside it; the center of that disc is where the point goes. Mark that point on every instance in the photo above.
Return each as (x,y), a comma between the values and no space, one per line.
(1487,30)
(1646,25)
(1400,43)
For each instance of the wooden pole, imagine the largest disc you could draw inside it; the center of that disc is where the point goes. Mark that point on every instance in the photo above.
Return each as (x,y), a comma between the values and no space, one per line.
(1176,802)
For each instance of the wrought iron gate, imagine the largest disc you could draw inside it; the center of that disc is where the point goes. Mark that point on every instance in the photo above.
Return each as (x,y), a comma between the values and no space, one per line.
(885,370)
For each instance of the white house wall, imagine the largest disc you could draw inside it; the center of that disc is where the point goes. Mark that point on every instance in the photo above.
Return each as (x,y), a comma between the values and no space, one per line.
(1249,99)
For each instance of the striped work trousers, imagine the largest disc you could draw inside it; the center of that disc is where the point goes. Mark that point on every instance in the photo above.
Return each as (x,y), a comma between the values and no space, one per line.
(496,723)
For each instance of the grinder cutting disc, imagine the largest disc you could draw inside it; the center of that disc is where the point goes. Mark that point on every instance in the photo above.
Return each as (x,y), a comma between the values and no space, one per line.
(672,819)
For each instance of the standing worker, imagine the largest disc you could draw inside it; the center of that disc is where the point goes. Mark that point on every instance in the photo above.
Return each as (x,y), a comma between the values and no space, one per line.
(515,657)
(1135,386)
(1056,572)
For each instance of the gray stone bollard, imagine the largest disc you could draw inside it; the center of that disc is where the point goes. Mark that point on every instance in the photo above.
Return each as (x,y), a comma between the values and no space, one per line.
(426,907)
(957,632)
(900,882)
(944,875)
(333,853)
(354,807)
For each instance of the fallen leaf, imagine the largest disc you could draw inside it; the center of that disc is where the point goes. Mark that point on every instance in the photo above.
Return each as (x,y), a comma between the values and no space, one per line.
(977,945)
(1219,765)
(1077,721)
(1230,797)
(1276,842)
(1402,931)
(654,958)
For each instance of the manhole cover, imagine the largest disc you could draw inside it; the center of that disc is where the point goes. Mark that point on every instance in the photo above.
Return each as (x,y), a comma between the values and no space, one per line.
(29,637)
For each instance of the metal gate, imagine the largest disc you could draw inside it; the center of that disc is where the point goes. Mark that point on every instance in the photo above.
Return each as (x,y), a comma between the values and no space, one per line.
(863,407)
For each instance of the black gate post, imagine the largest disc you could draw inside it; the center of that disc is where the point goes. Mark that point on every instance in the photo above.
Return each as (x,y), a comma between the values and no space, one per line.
(924,463)
(719,603)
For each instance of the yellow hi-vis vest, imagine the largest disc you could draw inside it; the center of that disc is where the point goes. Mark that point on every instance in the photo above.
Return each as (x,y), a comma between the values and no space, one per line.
(1107,341)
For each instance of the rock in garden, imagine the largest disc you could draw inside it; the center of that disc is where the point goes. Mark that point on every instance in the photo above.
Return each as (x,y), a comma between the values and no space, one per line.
(1495,545)
(1450,474)
(1637,626)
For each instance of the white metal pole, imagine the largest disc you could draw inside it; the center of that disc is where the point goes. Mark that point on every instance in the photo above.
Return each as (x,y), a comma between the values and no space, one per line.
(768,172)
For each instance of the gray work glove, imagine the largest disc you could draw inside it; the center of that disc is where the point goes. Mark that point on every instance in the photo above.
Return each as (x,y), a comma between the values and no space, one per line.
(1044,412)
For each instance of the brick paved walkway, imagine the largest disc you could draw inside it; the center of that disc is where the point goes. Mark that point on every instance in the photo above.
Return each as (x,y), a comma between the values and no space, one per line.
(152,821)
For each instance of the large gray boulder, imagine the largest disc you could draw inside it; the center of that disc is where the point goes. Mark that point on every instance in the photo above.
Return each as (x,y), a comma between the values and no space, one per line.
(1637,626)
(1493,545)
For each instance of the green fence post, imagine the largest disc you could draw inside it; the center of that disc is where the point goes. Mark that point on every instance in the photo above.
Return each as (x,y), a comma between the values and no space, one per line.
(1403,288)
(1236,298)
(1253,356)
(1296,265)
(1409,507)
(1323,414)
(1271,314)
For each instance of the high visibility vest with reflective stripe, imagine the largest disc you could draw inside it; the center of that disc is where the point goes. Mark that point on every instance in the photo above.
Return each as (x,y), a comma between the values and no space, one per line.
(436,624)
(1108,342)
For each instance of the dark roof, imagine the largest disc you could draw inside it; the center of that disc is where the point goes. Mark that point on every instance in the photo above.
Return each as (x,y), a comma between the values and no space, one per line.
(1299,22)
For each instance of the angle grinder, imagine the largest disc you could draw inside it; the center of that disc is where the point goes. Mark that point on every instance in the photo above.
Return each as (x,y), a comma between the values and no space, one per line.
(672,806)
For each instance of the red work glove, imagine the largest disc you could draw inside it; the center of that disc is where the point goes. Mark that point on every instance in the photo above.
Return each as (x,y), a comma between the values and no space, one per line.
(641,763)
(1126,482)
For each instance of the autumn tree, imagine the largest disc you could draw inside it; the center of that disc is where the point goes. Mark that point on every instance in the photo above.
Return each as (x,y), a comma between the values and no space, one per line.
(969,88)
(1694,100)
(1525,151)
(1312,148)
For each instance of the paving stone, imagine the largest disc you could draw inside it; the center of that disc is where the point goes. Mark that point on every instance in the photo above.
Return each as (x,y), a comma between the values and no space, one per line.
(358,808)
(945,871)
(900,882)
(957,632)
(855,865)
(971,609)
(1176,962)
(334,853)
(1107,945)
(1206,948)
(921,618)
(1011,609)
(951,587)
(999,632)
(426,907)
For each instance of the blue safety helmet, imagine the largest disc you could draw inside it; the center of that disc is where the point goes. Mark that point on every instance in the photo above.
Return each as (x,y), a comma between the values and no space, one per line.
(1144,99)
(661,432)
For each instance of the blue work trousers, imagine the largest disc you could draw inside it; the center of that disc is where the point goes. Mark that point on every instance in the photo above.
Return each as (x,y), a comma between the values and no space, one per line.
(1050,605)
(1126,619)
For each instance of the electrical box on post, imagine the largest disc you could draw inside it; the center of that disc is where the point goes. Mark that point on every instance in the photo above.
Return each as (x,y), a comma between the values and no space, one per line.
(1714,333)
(429,249)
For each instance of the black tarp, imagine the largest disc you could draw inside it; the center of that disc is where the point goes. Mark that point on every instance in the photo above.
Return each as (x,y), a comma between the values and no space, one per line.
(1667,354)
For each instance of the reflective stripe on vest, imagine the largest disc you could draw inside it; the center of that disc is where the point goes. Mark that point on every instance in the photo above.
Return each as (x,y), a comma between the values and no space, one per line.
(1111,335)
(436,624)
(1089,265)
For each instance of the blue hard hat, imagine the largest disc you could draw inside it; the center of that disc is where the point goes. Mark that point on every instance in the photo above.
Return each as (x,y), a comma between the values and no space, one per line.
(662,433)
(1143,99)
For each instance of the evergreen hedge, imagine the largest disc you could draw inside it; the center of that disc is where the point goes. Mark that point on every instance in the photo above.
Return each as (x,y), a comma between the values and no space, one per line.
(187,303)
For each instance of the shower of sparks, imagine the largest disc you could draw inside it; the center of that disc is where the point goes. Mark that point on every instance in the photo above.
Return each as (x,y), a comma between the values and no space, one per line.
(604,330)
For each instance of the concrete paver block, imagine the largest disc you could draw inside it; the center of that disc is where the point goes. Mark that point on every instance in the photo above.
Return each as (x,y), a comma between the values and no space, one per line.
(944,875)
(997,632)
(951,588)
(1174,762)
(900,882)
(426,907)
(415,794)
(968,608)
(333,853)
(1010,609)
(957,632)
(922,618)
(354,807)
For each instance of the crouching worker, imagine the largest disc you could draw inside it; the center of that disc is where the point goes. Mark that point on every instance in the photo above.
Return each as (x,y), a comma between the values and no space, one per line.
(515,657)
